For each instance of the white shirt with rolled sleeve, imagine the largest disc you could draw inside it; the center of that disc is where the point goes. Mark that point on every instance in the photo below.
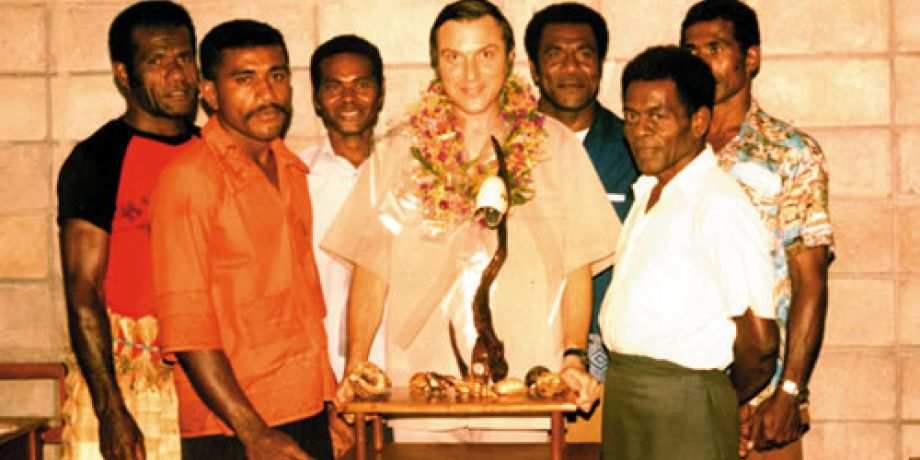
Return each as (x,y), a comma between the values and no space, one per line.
(685,268)
(331,179)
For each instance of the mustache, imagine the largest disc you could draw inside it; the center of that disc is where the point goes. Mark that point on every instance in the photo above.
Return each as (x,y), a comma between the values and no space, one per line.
(269,107)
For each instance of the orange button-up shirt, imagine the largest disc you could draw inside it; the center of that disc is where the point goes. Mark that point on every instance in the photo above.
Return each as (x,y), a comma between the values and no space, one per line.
(233,270)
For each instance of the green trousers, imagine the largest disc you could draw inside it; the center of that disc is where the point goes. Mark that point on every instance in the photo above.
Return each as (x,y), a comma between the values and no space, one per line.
(658,410)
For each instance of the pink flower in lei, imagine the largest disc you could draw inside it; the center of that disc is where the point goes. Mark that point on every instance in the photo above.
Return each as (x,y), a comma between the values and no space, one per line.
(443,180)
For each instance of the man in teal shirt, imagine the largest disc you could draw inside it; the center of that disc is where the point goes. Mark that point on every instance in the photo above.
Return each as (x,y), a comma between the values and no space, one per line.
(566,45)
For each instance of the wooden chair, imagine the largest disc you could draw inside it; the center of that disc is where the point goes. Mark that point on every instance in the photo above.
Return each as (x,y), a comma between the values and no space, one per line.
(40,371)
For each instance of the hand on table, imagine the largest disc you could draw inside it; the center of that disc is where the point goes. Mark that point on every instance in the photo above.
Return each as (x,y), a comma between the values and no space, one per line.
(587,389)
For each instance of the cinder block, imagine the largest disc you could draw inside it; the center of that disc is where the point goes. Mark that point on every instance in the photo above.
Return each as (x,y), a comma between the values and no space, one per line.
(29,320)
(25,115)
(869,374)
(784,30)
(404,87)
(305,122)
(909,314)
(826,92)
(861,312)
(609,93)
(399,28)
(907,16)
(907,98)
(29,398)
(910,441)
(859,161)
(80,34)
(26,185)
(909,239)
(634,26)
(82,104)
(910,386)
(908,146)
(24,245)
(851,441)
(864,237)
(294,19)
(23,41)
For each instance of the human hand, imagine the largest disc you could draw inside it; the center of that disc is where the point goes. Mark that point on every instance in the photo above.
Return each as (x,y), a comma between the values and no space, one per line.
(587,389)
(780,420)
(746,420)
(271,444)
(343,437)
(119,436)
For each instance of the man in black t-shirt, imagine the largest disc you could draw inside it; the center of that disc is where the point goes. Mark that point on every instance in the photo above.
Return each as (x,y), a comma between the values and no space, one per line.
(103,198)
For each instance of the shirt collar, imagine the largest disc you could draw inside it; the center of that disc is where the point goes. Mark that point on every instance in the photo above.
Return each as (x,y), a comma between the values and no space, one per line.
(687,180)
(323,155)
(241,166)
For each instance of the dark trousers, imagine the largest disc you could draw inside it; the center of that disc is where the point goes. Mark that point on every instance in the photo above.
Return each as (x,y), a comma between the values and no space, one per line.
(312,434)
(658,410)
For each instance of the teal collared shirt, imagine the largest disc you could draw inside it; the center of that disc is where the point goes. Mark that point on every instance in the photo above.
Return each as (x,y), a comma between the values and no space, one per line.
(614,164)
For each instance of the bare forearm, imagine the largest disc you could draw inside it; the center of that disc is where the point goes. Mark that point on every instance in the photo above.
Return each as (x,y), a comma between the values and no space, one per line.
(213,379)
(807,313)
(576,308)
(84,256)
(751,372)
(364,314)
(756,348)
(91,340)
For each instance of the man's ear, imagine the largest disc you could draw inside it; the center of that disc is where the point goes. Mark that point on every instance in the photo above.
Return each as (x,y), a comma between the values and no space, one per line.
(208,93)
(752,61)
(534,72)
(699,122)
(510,64)
(381,95)
(316,108)
(120,72)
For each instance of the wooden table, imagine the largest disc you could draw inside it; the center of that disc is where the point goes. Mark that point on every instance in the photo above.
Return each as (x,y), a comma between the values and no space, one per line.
(20,437)
(401,402)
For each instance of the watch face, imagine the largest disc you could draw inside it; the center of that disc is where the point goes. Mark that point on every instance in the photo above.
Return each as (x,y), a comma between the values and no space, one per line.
(790,387)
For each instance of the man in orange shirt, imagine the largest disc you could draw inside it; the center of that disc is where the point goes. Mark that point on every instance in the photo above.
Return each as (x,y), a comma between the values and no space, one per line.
(237,290)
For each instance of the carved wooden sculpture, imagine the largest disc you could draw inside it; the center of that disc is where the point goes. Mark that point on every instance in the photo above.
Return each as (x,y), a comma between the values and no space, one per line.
(488,356)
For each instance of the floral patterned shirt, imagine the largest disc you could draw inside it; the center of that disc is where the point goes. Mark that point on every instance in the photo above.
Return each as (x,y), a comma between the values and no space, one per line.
(784,172)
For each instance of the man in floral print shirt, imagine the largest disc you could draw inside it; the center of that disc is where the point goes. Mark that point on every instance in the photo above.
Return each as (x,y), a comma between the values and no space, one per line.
(783,171)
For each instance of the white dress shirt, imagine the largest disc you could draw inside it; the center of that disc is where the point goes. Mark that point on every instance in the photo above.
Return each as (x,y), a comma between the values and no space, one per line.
(685,268)
(331,179)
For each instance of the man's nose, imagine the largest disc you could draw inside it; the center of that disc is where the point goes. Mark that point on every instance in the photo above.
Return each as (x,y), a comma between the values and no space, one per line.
(471,70)
(569,62)
(264,89)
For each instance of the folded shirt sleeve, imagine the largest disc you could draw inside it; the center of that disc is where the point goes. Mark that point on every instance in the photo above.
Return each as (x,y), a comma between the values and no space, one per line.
(180,228)
(740,255)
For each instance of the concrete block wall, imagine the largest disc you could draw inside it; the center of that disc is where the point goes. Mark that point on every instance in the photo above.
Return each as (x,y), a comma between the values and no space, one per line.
(841,69)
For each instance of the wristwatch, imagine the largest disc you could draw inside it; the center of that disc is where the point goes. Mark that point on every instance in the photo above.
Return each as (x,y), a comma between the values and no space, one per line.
(580,353)
(791,388)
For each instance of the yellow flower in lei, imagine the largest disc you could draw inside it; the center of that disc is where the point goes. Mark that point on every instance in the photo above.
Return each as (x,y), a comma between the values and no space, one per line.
(443,180)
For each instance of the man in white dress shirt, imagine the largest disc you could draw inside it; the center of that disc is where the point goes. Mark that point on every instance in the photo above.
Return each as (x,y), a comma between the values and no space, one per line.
(348,89)
(691,295)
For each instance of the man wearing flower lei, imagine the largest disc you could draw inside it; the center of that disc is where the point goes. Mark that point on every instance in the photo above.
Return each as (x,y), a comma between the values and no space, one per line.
(418,247)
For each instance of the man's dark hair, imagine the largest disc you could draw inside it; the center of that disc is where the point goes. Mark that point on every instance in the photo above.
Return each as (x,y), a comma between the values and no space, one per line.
(345,44)
(157,13)
(236,34)
(742,17)
(696,87)
(465,10)
(565,13)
